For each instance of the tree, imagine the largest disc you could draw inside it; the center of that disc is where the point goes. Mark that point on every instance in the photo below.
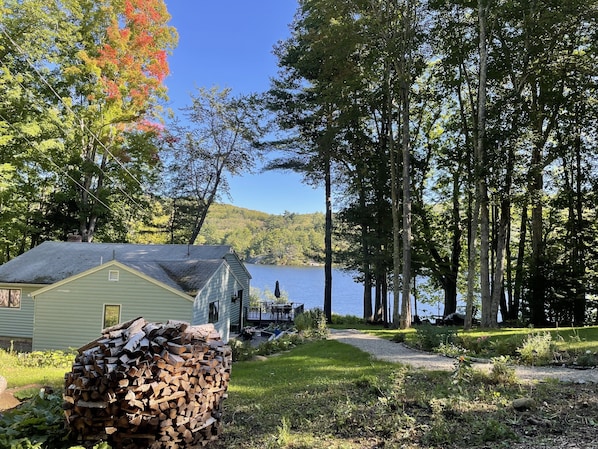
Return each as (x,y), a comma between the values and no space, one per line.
(92,72)
(220,139)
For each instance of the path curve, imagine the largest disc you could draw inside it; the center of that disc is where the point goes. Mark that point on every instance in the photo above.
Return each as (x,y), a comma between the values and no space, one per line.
(390,351)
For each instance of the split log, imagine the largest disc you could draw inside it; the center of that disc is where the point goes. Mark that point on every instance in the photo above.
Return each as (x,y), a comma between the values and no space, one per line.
(149,385)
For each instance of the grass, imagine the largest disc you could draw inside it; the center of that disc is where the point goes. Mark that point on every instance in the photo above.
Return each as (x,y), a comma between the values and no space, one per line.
(19,374)
(571,340)
(325,394)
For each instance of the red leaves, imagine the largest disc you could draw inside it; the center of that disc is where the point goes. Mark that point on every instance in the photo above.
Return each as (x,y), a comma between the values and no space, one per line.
(133,58)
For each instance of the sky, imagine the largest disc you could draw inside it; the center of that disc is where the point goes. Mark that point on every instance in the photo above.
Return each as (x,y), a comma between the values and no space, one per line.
(229,43)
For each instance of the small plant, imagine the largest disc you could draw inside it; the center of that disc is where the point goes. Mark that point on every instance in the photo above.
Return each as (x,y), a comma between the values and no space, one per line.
(44,359)
(312,323)
(537,349)
(507,346)
(502,372)
(462,373)
(587,359)
(399,337)
(450,350)
(284,432)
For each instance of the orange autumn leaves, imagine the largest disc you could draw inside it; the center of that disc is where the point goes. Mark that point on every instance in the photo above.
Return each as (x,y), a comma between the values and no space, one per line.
(133,59)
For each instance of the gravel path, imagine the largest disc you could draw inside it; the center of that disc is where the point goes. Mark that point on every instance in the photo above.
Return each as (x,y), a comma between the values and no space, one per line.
(389,351)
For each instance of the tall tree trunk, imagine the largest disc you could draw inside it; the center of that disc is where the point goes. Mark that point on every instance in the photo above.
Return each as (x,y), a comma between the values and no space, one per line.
(396,230)
(579,264)
(328,241)
(482,157)
(407,237)
(366,261)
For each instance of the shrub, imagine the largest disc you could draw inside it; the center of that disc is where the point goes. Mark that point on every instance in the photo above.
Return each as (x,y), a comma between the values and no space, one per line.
(508,346)
(537,349)
(430,337)
(46,359)
(312,323)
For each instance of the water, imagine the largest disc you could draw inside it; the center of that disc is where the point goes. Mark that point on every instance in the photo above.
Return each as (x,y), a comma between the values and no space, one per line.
(305,285)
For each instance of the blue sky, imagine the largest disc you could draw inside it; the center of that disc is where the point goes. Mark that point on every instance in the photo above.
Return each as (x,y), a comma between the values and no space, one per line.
(228,43)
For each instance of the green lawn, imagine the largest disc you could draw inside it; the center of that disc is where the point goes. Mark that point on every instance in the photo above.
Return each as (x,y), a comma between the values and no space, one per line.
(325,394)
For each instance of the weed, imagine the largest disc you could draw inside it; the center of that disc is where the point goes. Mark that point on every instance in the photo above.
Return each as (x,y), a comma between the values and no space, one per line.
(462,373)
(284,432)
(450,350)
(537,349)
(502,372)
(587,359)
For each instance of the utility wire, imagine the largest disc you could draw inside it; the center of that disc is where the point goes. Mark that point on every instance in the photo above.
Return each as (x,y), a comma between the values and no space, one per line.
(34,146)
(43,79)
(61,125)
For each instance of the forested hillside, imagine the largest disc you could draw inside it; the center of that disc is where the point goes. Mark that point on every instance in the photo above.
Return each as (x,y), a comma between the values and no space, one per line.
(288,239)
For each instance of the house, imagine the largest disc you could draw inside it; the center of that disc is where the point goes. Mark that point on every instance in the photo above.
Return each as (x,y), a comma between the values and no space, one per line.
(62,294)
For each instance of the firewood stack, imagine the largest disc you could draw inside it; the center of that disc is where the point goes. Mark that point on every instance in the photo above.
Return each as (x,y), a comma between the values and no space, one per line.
(149,385)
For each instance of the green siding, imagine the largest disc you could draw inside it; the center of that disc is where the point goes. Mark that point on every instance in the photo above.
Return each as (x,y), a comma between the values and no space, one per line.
(221,287)
(18,323)
(71,314)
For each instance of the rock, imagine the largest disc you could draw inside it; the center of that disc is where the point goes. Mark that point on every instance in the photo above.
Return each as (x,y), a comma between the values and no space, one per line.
(522,404)
(259,358)
(3,384)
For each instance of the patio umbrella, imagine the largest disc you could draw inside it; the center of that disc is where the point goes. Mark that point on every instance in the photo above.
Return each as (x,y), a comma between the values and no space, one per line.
(277,290)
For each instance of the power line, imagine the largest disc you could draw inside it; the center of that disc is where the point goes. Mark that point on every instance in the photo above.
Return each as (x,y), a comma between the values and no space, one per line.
(34,145)
(60,125)
(43,79)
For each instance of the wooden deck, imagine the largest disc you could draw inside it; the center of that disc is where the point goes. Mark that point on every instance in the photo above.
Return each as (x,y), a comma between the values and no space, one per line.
(270,312)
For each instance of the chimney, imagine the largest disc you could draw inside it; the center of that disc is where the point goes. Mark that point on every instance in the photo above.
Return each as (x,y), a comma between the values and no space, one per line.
(74,237)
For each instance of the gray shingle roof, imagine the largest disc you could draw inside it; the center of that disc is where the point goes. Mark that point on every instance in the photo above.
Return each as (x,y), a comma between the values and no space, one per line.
(186,268)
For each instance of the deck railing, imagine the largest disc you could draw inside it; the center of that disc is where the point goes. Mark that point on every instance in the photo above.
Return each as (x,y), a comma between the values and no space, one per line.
(269,311)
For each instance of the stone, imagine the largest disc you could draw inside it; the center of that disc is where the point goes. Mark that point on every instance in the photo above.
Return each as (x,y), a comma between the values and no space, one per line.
(3,384)
(522,404)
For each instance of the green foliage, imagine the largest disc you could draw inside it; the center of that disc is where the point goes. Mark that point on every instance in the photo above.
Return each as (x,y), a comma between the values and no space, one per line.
(502,372)
(430,337)
(312,323)
(45,359)
(537,349)
(245,350)
(288,239)
(37,423)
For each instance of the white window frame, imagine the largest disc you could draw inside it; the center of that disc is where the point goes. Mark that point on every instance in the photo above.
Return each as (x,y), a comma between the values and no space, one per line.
(120,308)
(12,291)
(113,275)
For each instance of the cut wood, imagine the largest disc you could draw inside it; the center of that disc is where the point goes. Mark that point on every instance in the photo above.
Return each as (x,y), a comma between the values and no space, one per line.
(156,385)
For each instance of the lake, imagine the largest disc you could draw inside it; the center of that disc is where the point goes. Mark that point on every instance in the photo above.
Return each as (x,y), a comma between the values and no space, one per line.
(305,285)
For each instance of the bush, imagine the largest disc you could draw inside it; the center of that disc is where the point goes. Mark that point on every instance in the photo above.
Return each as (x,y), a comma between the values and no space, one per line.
(47,359)
(312,323)
(502,372)
(430,337)
(508,346)
(537,349)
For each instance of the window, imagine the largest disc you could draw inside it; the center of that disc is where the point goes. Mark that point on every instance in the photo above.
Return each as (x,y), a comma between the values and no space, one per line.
(111,315)
(10,298)
(213,313)
(113,275)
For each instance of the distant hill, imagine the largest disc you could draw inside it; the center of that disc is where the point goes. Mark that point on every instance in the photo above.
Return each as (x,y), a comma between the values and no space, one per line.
(258,237)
